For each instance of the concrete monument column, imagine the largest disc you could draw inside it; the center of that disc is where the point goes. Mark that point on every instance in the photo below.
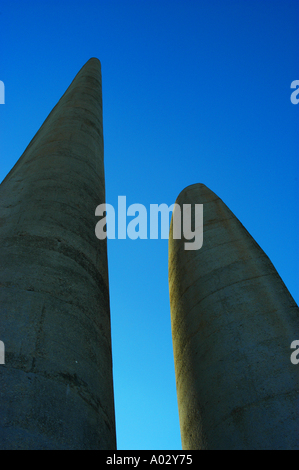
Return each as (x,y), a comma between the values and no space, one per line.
(56,387)
(233,321)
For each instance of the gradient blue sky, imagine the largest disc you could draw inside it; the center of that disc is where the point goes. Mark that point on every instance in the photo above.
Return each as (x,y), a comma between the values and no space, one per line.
(193,91)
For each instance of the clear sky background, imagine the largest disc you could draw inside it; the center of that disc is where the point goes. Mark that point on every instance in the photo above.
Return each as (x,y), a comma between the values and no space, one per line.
(194,91)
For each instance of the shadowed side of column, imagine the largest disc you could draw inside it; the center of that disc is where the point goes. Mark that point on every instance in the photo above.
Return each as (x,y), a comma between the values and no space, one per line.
(233,321)
(56,387)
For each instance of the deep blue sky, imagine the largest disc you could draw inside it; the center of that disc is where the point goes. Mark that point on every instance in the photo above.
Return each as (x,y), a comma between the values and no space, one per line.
(193,91)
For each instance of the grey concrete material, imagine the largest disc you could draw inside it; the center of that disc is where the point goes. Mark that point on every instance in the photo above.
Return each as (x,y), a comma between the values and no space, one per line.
(233,321)
(56,387)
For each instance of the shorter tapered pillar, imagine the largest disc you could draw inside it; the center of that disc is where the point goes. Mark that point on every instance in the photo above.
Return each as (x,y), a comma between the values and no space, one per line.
(233,321)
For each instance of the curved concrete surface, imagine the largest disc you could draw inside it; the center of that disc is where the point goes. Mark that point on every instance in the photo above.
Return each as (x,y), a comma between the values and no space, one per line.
(233,321)
(56,389)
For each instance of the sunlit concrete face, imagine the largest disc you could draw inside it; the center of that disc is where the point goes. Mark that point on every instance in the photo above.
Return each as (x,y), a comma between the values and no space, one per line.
(233,321)
(56,388)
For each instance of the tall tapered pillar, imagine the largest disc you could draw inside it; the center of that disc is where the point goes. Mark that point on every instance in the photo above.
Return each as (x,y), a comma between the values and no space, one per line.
(56,387)
(233,321)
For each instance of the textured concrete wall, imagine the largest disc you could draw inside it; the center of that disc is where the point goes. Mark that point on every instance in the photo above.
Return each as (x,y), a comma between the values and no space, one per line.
(233,321)
(56,389)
